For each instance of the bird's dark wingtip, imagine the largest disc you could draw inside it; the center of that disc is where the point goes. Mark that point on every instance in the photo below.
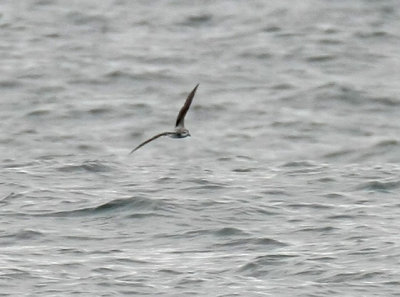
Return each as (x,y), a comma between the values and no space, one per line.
(194,90)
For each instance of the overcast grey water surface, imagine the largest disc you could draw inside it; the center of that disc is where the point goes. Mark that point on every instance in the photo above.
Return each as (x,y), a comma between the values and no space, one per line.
(289,185)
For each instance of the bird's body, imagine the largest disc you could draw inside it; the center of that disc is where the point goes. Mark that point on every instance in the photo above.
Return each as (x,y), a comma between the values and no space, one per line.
(180,130)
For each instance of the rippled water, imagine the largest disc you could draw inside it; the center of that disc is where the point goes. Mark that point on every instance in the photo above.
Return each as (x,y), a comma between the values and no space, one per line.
(288,186)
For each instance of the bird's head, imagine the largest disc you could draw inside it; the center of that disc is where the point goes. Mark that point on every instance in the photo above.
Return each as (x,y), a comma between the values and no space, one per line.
(185,133)
(181,132)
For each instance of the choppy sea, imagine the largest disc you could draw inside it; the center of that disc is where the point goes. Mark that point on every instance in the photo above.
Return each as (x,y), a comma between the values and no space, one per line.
(288,186)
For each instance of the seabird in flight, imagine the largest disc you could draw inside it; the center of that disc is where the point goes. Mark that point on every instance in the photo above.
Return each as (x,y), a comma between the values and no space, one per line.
(180,130)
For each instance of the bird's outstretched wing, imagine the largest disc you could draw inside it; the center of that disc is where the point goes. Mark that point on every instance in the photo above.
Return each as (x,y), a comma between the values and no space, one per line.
(151,139)
(181,116)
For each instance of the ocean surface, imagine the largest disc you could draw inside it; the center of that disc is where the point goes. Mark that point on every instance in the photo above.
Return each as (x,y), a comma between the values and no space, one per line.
(289,185)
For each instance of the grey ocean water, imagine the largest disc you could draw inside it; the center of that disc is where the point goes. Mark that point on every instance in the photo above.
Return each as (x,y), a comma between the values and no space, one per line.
(289,185)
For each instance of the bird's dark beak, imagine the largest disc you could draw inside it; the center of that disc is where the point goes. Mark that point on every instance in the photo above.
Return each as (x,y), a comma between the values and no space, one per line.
(189,135)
